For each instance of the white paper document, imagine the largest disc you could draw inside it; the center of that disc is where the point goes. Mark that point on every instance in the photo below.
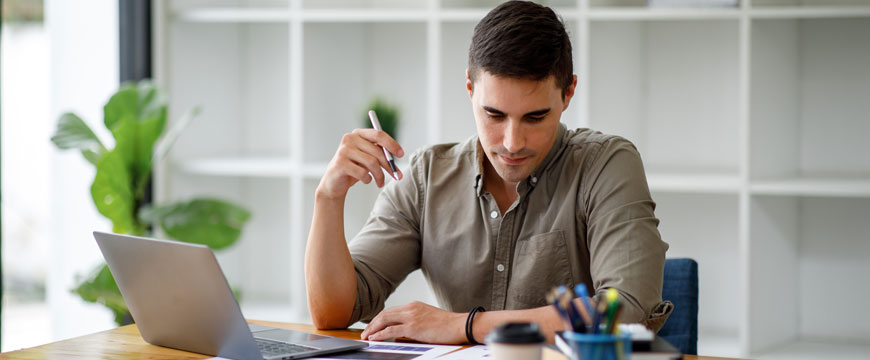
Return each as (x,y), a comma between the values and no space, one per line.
(378,350)
(471,353)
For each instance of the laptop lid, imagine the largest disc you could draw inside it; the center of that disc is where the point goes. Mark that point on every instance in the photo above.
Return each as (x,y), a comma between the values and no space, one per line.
(178,295)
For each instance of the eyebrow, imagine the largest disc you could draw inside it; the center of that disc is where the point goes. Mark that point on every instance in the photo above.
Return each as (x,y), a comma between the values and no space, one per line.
(530,113)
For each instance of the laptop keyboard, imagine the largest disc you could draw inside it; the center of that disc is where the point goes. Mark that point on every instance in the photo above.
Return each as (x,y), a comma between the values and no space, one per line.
(271,348)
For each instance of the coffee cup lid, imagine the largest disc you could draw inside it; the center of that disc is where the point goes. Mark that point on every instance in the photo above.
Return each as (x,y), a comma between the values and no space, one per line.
(516,333)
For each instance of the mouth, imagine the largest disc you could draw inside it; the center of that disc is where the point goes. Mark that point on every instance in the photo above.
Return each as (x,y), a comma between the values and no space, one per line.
(513,161)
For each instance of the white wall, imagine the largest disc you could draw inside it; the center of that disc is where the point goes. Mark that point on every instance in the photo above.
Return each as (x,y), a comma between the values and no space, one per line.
(83,50)
(26,165)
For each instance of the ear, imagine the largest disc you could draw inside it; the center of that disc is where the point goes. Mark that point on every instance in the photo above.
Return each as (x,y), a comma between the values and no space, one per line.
(569,93)
(468,85)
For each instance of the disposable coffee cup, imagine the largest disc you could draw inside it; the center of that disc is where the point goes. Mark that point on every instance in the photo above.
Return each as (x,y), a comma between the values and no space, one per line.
(516,341)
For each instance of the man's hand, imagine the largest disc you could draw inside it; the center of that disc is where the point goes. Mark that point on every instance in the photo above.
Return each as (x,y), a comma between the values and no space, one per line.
(359,158)
(417,321)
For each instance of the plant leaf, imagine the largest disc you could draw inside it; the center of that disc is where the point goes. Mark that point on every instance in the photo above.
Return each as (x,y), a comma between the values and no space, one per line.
(211,222)
(136,115)
(101,288)
(142,101)
(134,142)
(112,194)
(73,133)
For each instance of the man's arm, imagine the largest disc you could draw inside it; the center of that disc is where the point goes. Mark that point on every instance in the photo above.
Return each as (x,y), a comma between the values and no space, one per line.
(626,250)
(426,323)
(330,277)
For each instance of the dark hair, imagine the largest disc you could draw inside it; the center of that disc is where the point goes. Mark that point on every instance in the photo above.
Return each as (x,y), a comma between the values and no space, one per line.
(523,40)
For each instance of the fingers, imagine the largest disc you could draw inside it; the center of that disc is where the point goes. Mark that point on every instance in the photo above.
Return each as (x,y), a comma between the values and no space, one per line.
(372,158)
(358,172)
(359,152)
(346,165)
(390,332)
(383,139)
(366,141)
(359,157)
(380,322)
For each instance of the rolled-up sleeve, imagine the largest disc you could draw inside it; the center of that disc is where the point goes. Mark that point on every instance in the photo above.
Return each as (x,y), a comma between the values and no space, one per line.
(626,250)
(387,248)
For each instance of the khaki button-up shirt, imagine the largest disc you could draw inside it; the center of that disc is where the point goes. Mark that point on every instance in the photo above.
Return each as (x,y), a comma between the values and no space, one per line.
(584,215)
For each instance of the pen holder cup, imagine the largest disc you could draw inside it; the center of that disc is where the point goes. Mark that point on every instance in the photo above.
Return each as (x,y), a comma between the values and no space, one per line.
(598,346)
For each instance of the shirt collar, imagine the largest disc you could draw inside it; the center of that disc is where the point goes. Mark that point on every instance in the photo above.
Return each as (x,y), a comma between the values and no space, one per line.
(533,178)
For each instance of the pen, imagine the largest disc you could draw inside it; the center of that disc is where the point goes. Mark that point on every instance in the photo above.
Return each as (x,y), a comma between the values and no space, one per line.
(577,324)
(613,305)
(553,298)
(586,308)
(600,312)
(392,161)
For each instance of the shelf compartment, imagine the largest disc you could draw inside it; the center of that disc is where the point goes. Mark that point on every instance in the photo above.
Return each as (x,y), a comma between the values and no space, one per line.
(705,227)
(797,246)
(341,79)
(808,101)
(240,84)
(833,245)
(670,87)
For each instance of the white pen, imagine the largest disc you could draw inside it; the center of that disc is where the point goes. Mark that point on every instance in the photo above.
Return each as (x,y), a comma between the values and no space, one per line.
(377,125)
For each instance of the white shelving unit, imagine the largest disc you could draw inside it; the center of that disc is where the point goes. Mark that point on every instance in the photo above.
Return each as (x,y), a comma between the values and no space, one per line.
(751,121)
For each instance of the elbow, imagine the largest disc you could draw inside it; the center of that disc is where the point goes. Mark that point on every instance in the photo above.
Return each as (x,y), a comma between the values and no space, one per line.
(322,323)
(325,323)
(329,319)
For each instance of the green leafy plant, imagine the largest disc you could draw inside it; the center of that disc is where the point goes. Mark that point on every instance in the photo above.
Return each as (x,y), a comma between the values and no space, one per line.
(388,116)
(136,117)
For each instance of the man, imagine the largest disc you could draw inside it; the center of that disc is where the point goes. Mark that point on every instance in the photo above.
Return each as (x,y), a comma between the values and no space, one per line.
(495,221)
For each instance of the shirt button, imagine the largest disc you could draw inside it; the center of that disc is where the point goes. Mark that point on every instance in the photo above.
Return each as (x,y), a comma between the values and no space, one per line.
(500,267)
(493,214)
(534,179)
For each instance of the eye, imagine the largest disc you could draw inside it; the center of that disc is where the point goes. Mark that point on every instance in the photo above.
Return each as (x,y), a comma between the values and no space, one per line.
(536,118)
(495,116)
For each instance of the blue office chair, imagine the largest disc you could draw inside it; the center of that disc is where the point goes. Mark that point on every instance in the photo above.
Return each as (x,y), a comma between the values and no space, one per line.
(680,286)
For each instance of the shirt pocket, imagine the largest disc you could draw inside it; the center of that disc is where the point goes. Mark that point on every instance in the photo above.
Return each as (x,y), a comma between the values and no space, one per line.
(540,263)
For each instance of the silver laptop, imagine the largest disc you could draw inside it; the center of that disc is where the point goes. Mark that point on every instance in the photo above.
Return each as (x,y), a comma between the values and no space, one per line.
(180,299)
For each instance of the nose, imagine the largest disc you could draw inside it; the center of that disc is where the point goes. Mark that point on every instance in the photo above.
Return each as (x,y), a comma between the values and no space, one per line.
(514,140)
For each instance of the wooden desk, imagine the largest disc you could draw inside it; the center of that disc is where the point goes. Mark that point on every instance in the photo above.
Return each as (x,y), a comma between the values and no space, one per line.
(126,343)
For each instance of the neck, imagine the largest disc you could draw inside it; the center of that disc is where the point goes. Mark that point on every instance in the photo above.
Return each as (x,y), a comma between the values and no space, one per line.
(504,192)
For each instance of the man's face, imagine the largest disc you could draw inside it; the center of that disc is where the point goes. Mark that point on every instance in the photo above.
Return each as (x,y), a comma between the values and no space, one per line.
(516,120)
